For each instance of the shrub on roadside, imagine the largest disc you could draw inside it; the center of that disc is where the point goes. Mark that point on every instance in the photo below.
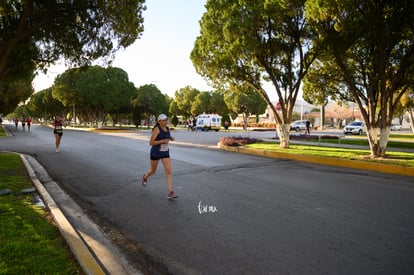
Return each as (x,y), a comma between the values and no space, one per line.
(238,141)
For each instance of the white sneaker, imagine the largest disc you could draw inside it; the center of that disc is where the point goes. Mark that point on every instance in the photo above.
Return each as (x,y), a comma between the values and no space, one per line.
(171,195)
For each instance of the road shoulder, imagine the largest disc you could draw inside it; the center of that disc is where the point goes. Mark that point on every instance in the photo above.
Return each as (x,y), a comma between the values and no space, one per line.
(94,251)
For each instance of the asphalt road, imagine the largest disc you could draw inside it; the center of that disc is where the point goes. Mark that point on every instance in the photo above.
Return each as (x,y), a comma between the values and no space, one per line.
(235,214)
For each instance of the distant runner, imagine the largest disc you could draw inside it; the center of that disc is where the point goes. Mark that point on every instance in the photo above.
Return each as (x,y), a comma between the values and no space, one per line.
(160,138)
(58,130)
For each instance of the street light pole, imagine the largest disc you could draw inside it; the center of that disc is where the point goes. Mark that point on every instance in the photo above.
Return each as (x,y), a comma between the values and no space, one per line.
(301,109)
(74,114)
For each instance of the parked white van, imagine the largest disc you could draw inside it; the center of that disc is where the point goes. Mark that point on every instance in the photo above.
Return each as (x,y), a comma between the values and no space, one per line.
(206,122)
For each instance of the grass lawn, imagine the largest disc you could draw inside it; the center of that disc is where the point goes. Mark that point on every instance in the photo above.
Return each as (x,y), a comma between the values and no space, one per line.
(364,142)
(30,243)
(2,133)
(402,136)
(395,141)
(396,158)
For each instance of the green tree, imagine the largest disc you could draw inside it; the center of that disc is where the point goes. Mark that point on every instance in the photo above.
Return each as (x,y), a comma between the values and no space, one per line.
(14,92)
(184,99)
(136,116)
(149,101)
(209,103)
(173,109)
(95,91)
(372,44)
(43,105)
(36,105)
(256,41)
(201,103)
(104,90)
(246,101)
(35,34)
(19,112)
(217,103)
(323,83)
(64,89)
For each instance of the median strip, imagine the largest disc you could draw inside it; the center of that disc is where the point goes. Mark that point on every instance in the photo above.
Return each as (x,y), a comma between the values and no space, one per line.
(355,164)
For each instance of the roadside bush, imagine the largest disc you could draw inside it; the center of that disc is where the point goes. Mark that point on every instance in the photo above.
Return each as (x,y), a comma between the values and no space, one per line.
(238,141)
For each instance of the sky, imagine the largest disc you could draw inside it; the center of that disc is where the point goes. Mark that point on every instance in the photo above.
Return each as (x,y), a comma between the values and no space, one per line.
(162,55)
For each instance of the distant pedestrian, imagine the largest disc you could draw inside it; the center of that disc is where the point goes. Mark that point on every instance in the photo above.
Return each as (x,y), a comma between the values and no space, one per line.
(58,125)
(24,124)
(190,125)
(160,138)
(29,122)
(194,124)
(16,122)
(226,126)
(308,127)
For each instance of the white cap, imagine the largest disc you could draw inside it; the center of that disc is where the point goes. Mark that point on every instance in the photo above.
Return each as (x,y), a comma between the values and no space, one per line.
(162,117)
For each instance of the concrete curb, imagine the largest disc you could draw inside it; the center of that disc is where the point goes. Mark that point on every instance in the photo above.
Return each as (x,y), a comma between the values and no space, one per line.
(85,258)
(6,130)
(95,253)
(355,164)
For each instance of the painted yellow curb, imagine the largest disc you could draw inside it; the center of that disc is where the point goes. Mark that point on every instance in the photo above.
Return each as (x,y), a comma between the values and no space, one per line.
(85,258)
(356,164)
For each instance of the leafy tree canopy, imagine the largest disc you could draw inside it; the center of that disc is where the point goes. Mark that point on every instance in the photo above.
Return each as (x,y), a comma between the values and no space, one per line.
(210,103)
(12,93)
(372,45)
(37,33)
(253,42)
(150,101)
(322,83)
(183,99)
(43,104)
(245,100)
(95,90)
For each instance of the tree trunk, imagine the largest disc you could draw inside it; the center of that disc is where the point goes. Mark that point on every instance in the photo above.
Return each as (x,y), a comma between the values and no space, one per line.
(322,119)
(383,141)
(378,145)
(283,134)
(411,119)
(245,121)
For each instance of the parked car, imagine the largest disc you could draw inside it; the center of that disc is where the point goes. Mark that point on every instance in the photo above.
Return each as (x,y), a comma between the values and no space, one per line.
(395,127)
(356,127)
(299,125)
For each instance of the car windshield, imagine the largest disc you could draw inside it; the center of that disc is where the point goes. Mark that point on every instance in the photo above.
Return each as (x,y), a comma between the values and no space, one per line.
(355,123)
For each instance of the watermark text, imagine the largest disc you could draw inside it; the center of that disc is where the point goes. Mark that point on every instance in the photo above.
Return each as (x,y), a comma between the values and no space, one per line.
(204,208)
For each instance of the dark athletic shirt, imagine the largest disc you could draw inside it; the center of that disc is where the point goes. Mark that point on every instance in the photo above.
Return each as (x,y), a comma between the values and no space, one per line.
(161,150)
(58,127)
